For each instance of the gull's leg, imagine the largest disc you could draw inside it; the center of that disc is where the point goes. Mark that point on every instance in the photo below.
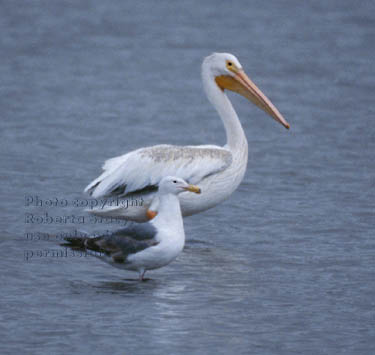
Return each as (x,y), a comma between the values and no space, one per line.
(141,274)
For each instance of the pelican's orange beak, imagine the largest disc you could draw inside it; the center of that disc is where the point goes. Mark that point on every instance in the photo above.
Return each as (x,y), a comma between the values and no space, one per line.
(241,84)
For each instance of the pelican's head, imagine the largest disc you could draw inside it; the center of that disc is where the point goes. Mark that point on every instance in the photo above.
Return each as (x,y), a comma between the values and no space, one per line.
(174,185)
(228,74)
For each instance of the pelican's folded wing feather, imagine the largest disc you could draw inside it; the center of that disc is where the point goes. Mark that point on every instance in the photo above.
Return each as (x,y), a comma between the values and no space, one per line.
(143,169)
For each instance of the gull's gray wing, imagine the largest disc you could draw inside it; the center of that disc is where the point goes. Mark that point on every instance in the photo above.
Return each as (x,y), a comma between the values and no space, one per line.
(120,244)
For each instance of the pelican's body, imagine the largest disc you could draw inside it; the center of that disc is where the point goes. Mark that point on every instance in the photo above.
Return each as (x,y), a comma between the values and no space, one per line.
(218,170)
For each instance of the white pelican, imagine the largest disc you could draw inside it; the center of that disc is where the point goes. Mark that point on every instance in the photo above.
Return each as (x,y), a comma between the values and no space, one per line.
(218,170)
(145,246)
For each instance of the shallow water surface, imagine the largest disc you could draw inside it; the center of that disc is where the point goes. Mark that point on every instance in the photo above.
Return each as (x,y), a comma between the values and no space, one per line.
(285,266)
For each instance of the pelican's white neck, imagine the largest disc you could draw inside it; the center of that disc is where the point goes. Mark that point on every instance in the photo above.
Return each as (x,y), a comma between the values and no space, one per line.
(235,135)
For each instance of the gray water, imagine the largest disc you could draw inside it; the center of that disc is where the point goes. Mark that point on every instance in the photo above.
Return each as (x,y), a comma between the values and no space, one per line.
(285,266)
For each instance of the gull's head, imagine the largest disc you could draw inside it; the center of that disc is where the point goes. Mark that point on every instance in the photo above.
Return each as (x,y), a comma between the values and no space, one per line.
(174,185)
(228,74)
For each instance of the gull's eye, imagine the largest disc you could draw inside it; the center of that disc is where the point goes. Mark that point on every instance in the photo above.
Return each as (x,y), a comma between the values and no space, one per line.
(175,181)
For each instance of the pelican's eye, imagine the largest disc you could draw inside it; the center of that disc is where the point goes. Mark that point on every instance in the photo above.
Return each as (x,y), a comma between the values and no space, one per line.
(231,66)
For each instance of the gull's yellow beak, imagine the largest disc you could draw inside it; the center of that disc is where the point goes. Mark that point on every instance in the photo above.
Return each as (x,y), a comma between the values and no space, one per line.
(193,188)
(241,84)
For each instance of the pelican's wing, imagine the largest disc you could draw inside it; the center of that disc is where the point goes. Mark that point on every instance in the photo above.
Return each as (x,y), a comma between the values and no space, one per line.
(118,245)
(142,169)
